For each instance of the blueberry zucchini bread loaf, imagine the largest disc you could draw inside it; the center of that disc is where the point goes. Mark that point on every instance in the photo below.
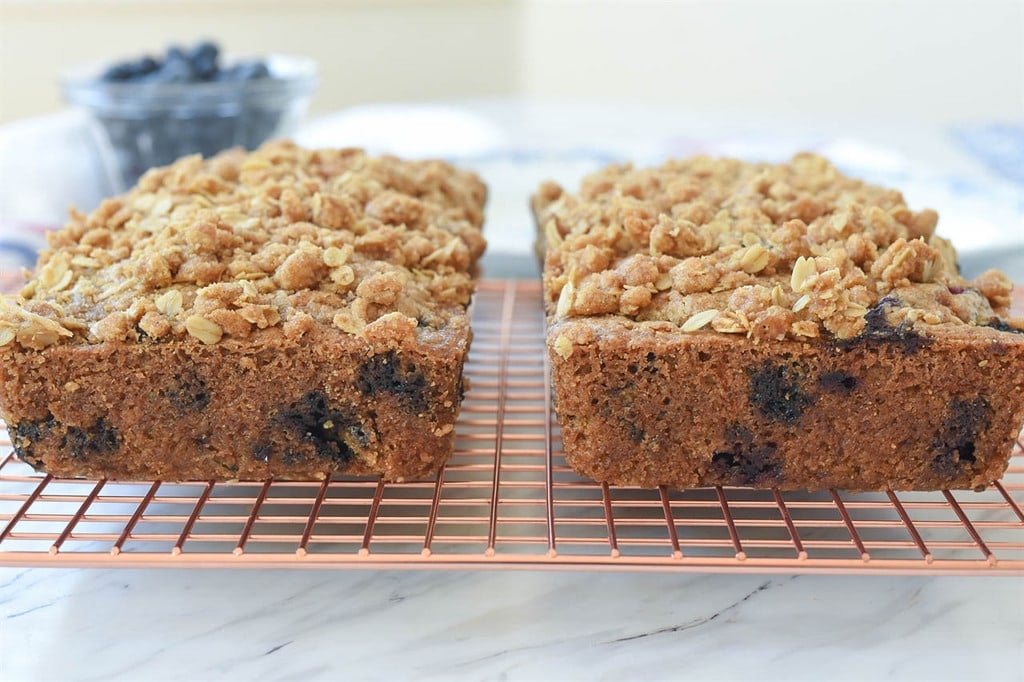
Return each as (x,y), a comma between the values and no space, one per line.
(287,313)
(713,322)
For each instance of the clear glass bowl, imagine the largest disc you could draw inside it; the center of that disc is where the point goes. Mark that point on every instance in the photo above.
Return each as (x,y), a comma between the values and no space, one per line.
(141,125)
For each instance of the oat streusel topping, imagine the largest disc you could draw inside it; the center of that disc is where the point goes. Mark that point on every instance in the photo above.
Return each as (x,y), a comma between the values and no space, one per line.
(282,237)
(792,250)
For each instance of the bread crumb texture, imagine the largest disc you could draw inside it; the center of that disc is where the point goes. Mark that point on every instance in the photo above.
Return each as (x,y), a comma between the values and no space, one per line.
(280,238)
(773,251)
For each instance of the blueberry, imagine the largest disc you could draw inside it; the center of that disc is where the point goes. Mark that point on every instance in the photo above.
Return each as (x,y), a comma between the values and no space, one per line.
(775,390)
(189,394)
(245,71)
(878,330)
(146,65)
(99,439)
(255,71)
(875,320)
(315,421)
(954,444)
(203,60)
(1002,325)
(130,70)
(744,461)
(117,73)
(26,434)
(385,373)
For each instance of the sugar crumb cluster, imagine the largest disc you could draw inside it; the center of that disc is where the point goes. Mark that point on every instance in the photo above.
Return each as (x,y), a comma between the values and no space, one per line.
(772,251)
(279,238)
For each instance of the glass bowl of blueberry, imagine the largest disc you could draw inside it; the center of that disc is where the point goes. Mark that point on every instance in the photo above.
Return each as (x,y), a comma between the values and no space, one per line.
(150,111)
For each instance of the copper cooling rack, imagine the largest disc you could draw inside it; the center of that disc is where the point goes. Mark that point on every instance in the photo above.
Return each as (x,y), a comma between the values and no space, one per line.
(506,500)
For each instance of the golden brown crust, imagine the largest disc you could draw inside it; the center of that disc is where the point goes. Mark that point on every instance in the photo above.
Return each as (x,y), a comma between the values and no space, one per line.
(719,323)
(792,250)
(224,247)
(276,406)
(287,313)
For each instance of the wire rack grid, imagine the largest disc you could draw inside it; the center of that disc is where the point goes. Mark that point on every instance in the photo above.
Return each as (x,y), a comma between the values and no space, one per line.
(506,499)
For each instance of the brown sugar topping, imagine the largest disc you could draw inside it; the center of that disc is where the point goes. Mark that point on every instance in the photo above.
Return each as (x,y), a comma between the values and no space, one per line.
(772,251)
(242,242)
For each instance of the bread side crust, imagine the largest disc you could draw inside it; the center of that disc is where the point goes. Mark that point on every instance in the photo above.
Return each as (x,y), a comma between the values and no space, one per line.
(646,407)
(272,407)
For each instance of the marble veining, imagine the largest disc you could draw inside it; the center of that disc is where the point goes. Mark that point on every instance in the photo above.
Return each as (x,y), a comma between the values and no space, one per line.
(77,624)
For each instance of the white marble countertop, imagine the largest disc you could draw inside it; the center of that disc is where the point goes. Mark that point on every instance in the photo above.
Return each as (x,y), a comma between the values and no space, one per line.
(303,625)
(127,624)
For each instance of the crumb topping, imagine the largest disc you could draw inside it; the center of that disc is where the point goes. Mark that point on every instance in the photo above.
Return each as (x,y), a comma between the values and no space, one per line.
(281,237)
(772,251)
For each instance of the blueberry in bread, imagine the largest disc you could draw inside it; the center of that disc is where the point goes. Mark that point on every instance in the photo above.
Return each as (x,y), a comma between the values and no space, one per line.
(714,322)
(286,313)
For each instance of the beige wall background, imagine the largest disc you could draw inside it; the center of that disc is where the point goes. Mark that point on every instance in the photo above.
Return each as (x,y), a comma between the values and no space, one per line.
(896,59)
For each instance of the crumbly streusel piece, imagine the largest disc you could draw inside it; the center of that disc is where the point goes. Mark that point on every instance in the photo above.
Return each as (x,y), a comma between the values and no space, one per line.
(281,313)
(808,329)
(779,251)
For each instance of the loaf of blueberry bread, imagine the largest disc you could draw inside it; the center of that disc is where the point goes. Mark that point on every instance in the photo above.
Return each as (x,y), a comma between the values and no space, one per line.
(713,322)
(286,313)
